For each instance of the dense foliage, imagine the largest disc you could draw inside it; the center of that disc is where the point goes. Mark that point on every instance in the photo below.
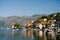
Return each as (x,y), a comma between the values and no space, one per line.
(17,25)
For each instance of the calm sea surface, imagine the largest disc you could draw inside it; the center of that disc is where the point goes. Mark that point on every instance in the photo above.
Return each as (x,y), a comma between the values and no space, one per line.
(28,34)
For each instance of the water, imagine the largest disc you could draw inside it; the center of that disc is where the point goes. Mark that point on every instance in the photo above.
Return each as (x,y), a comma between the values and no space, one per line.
(28,34)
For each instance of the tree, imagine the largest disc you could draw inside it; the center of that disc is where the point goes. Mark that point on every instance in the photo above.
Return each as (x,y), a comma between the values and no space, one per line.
(44,17)
(17,25)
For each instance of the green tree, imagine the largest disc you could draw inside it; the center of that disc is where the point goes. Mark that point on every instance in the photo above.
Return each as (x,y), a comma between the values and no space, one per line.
(44,17)
(17,25)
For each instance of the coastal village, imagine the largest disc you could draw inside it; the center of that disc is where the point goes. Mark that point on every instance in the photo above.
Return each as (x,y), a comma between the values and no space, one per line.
(51,20)
(48,24)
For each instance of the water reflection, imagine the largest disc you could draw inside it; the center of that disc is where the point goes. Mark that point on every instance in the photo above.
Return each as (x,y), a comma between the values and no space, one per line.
(28,34)
(39,35)
(51,36)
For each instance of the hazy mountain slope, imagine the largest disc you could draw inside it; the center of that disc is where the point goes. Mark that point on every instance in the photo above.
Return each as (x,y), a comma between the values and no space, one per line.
(8,21)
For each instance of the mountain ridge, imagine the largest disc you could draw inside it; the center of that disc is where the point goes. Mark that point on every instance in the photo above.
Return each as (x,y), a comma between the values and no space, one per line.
(8,21)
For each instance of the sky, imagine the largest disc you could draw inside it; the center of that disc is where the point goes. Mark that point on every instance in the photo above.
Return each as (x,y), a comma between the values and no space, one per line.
(28,7)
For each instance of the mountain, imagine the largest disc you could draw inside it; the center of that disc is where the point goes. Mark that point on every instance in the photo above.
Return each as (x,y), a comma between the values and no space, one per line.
(9,21)
(55,16)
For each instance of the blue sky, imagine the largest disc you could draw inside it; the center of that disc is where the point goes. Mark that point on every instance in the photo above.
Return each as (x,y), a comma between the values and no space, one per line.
(28,7)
